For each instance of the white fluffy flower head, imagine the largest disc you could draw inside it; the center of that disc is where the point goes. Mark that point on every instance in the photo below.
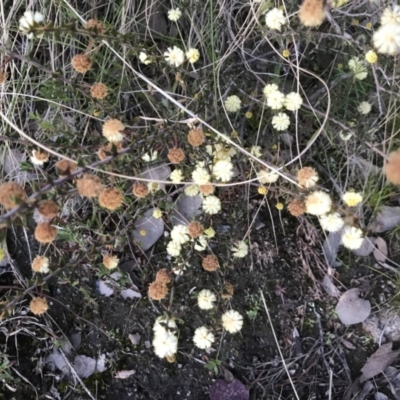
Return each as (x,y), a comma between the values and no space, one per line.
(201,176)
(206,299)
(203,338)
(275,100)
(223,170)
(293,101)
(318,203)
(174,249)
(165,345)
(274,19)
(387,39)
(192,190)
(180,234)
(39,158)
(232,321)
(281,121)
(352,238)
(269,89)
(265,176)
(164,324)
(176,176)
(174,56)
(240,250)
(29,21)
(331,222)
(364,107)
(256,151)
(174,14)
(233,103)
(358,68)
(211,205)
(391,16)
(352,199)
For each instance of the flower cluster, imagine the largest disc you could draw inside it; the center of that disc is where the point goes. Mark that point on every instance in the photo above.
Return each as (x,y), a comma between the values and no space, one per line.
(29,22)
(276,100)
(275,19)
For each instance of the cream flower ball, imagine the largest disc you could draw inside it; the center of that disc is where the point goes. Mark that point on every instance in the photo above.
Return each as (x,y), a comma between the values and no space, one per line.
(240,250)
(274,19)
(331,222)
(41,264)
(386,39)
(269,89)
(211,205)
(176,176)
(201,176)
(275,100)
(203,338)
(163,324)
(206,299)
(318,203)
(352,199)
(293,101)
(281,121)
(180,234)
(364,107)
(352,238)
(174,14)
(233,103)
(265,176)
(232,321)
(223,170)
(174,249)
(391,16)
(192,55)
(192,190)
(174,56)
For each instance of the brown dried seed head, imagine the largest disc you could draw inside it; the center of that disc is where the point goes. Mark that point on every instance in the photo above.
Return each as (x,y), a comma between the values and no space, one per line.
(110,262)
(176,155)
(163,276)
(140,189)
(158,290)
(196,137)
(111,198)
(89,185)
(81,63)
(41,155)
(96,25)
(38,305)
(312,12)
(99,91)
(228,291)
(45,233)
(207,189)
(195,229)
(106,151)
(48,209)
(65,167)
(296,207)
(307,177)
(112,130)
(392,168)
(210,263)
(11,194)
(3,77)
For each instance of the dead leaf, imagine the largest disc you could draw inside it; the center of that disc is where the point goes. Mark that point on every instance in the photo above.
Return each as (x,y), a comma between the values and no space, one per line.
(379,361)
(381,252)
(331,248)
(347,344)
(366,248)
(330,287)
(134,338)
(124,374)
(386,219)
(351,309)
